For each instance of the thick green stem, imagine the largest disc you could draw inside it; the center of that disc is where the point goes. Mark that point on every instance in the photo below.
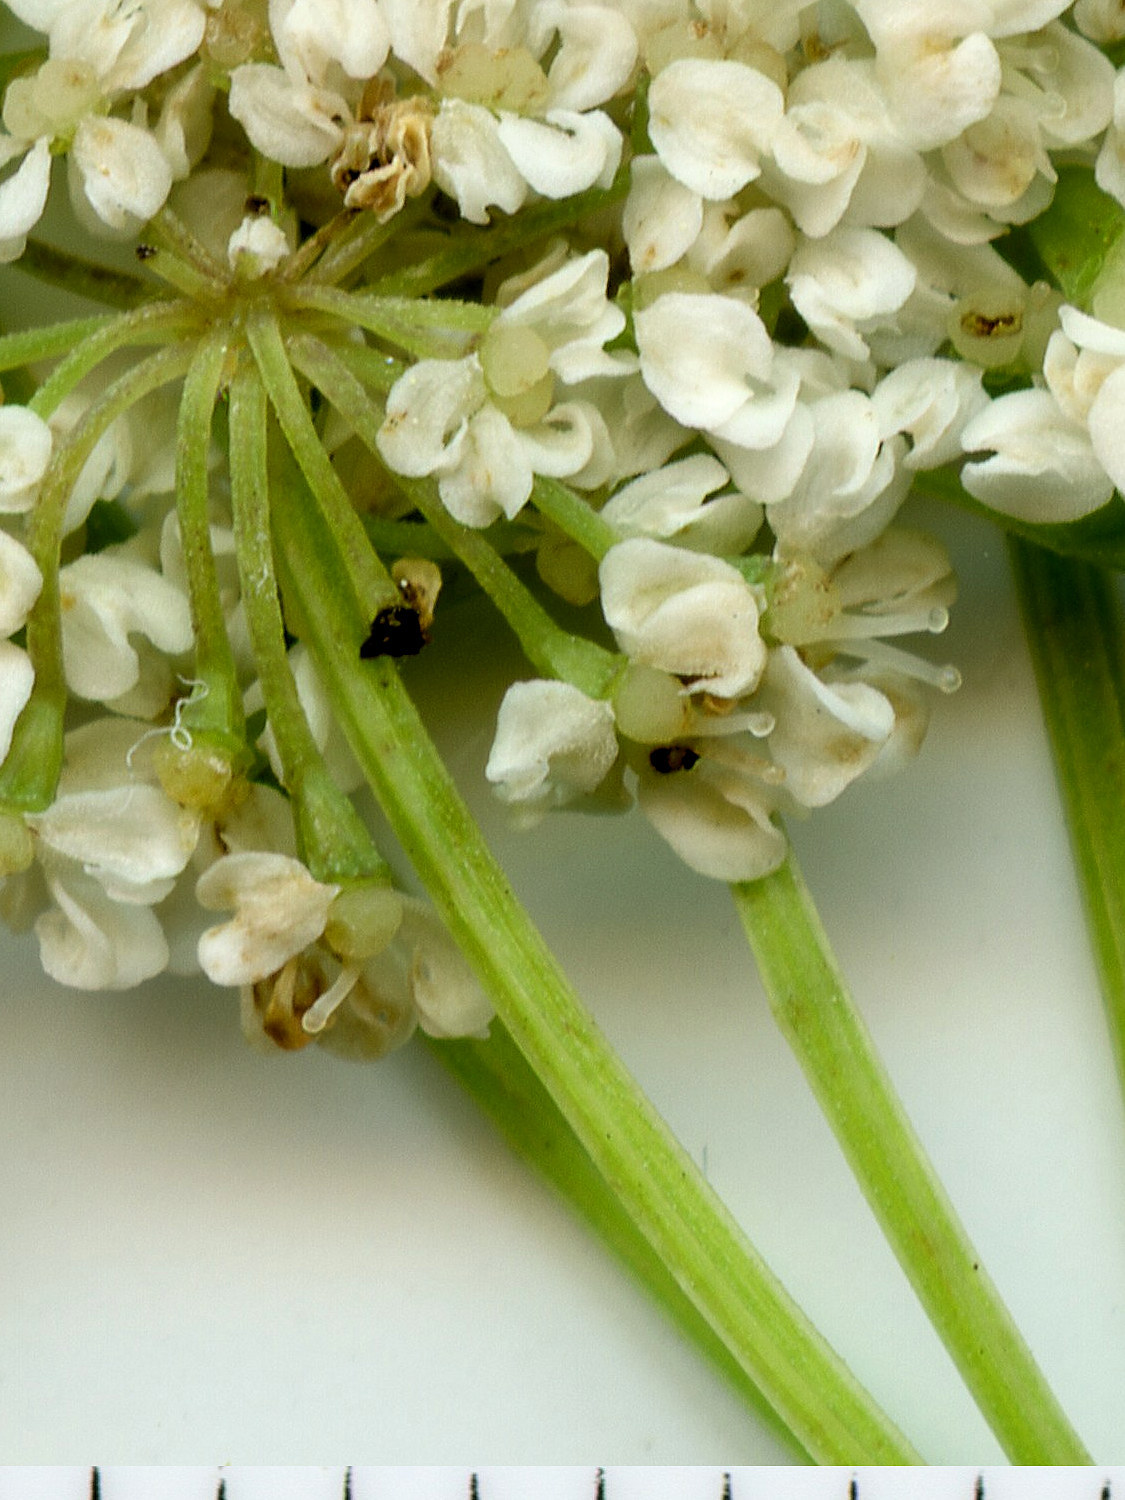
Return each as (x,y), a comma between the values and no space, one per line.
(302,437)
(815,1012)
(498,1078)
(549,648)
(1073,626)
(651,1176)
(575,517)
(218,708)
(31,769)
(332,839)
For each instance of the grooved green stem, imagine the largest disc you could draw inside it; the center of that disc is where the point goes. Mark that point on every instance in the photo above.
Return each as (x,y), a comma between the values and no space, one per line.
(1073,626)
(333,841)
(219,708)
(575,517)
(820,1022)
(428,330)
(33,344)
(301,435)
(648,1172)
(496,1075)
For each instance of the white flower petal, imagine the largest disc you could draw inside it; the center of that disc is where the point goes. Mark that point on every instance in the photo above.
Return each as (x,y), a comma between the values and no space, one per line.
(105,598)
(662,217)
(17,678)
(427,414)
(552,744)
(25,452)
(290,122)
(598,48)
(470,162)
(691,615)
(351,33)
(493,473)
(718,829)
(446,994)
(122,172)
(279,910)
(90,942)
(711,121)
(698,353)
(566,154)
(23,197)
(826,734)
(1043,466)
(20,583)
(132,839)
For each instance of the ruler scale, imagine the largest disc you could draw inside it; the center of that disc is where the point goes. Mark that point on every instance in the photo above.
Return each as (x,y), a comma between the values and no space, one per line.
(610,1482)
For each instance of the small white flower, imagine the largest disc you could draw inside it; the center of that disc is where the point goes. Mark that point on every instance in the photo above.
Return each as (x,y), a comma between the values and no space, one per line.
(25,452)
(552,745)
(1043,465)
(258,245)
(672,502)
(107,597)
(91,942)
(846,283)
(711,122)
(279,910)
(717,819)
(827,733)
(701,355)
(487,424)
(688,614)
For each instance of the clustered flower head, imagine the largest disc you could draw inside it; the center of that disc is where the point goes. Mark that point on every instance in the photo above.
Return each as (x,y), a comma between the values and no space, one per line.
(659,308)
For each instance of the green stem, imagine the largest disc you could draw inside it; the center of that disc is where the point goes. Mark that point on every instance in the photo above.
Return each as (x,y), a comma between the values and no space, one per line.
(575,517)
(1073,627)
(83,278)
(815,1012)
(656,1183)
(31,769)
(156,322)
(333,841)
(498,1078)
(353,244)
(476,249)
(549,648)
(218,709)
(33,344)
(170,232)
(426,329)
(301,435)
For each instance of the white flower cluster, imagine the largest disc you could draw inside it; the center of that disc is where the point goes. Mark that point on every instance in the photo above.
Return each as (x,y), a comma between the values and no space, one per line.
(784,294)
